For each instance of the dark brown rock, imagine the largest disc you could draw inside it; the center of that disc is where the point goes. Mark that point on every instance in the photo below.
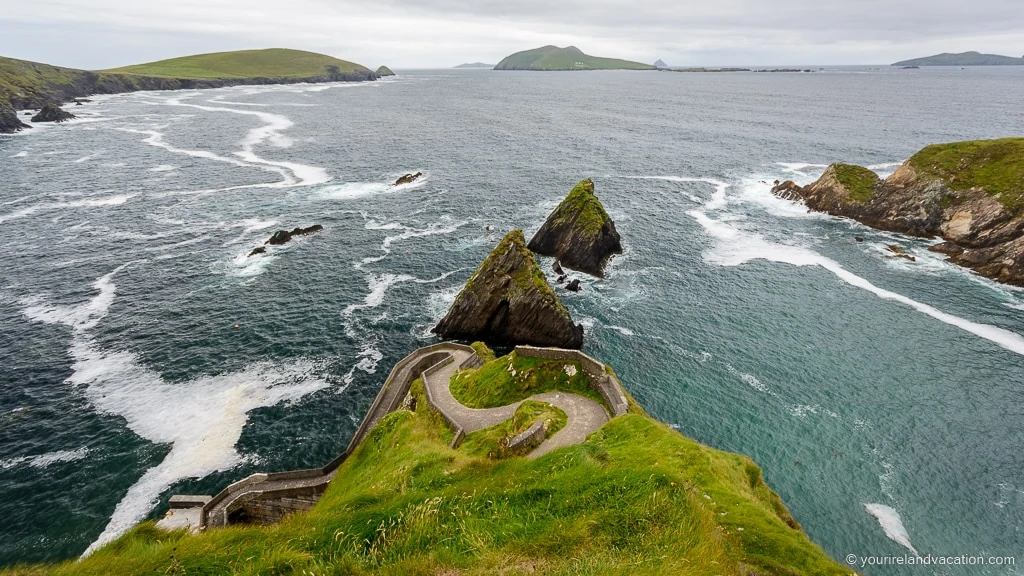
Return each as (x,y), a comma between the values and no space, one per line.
(258,250)
(573,286)
(788,190)
(508,301)
(408,178)
(9,121)
(53,113)
(284,236)
(579,233)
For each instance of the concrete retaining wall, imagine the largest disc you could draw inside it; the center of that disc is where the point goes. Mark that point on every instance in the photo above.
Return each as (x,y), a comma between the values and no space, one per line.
(601,381)
(532,436)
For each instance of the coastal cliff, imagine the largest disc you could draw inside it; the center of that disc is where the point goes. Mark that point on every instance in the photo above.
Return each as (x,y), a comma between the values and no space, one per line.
(31,85)
(579,232)
(971,194)
(508,301)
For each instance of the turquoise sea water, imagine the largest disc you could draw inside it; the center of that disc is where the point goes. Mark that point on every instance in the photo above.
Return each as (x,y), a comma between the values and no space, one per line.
(883,398)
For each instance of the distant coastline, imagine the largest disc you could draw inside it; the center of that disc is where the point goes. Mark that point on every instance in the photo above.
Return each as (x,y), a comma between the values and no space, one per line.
(962,59)
(475,65)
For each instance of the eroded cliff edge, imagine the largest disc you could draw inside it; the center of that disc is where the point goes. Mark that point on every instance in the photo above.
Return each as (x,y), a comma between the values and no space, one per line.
(971,194)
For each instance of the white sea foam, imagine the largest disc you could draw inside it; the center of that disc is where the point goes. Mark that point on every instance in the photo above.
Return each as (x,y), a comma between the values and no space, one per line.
(892,524)
(21,154)
(44,460)
(163,168)
(86,158)
(272,133)
(92,202)
(621,330)
(202,419)
(736,247)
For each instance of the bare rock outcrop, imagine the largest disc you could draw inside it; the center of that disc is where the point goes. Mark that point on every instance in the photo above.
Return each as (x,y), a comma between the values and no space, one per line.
(508,301)
(579,233)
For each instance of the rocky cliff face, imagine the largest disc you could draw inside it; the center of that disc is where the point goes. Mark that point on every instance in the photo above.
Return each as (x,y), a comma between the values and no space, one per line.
(579,232)
(508,301)
(969,193)
(81,83)
(9,121)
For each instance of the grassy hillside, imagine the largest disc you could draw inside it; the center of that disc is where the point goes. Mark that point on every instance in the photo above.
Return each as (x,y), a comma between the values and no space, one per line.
(636,498)
(272,63)
(571,58)
(963,59)
(24,78)
(995,165)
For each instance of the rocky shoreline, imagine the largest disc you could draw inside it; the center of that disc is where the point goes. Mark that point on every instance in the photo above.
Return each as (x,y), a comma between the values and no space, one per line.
(970,194)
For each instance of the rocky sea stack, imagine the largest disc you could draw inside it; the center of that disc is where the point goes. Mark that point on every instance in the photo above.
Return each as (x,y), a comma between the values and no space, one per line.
(579,233)
(508,301)
(53,113)
(969,193)
(9,121)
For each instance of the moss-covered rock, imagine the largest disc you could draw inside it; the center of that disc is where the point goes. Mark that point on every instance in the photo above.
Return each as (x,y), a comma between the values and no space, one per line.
(969,193)
(579,233)
(508,301)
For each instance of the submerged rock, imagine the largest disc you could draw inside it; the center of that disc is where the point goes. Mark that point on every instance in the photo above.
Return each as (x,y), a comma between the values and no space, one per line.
(53,113)
(508,301)
(969,193)
(408,178)
(9,121)
(258,250)
(284,236)
(579,233)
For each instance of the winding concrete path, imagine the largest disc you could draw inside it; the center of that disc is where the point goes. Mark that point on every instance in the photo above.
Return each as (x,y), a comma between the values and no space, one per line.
(584,415)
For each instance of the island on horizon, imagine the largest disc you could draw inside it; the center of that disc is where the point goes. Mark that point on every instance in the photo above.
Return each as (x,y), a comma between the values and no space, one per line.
(963,59)
(474,65)
(553,58)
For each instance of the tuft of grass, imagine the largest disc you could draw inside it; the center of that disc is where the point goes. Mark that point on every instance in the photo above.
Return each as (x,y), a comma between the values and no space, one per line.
(860,181)
(483,351)
(271,63)
(513,378)
(997,166)
(489,441)
(636,498)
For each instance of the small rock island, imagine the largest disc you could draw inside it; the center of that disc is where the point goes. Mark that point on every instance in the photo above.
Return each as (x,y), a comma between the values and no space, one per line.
(971,194)
(579,233)
(508,301)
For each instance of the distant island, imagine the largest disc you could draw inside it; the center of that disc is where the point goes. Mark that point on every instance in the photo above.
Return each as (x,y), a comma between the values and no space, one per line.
(963,59)
(475,65)
(553,58)
(31,85)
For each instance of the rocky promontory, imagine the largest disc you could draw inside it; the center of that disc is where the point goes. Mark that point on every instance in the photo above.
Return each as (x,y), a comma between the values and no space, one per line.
(508,301)
(579,233)
(971,194)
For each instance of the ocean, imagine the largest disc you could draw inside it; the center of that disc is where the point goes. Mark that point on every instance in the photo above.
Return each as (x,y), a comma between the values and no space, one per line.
(883,398)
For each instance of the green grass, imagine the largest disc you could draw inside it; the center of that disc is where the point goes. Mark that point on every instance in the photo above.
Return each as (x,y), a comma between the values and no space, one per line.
(860,181)
(636,498)
(488,442)
(995,165)
(483,351)
(570,58)
(493,384)
(272,63)
(582,210)
(30,78)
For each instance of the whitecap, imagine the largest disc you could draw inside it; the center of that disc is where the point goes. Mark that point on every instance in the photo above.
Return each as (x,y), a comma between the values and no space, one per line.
(21,154)
(163,168)
(44,460)
(735,247)
(891,524)
(201,419)
(621,330)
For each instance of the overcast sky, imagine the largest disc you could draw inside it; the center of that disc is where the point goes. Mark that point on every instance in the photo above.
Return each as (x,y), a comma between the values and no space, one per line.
(97,34)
